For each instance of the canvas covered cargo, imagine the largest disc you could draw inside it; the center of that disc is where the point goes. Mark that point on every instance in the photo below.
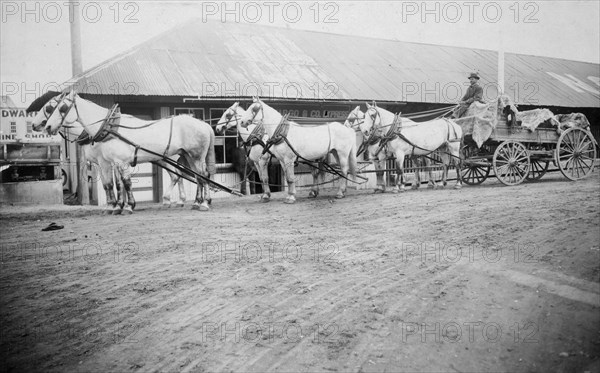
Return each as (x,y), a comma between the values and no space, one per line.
(481,120)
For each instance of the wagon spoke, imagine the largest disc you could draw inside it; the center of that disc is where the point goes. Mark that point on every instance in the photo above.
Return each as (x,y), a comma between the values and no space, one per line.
(587,158)
(588,165)
(577,167)
(584,146)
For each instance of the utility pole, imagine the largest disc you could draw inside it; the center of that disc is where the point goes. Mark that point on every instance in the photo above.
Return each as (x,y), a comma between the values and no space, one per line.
(501,63)
(83,195)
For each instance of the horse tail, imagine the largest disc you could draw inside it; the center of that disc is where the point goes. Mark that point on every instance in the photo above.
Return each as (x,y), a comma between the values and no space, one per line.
(352,163)
(211,164)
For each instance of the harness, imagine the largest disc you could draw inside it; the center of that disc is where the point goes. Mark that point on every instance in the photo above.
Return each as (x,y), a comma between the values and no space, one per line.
(395,131)
(109,130)
(280,135)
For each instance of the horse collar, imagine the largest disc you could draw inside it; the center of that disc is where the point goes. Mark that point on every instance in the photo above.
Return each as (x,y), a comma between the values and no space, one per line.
(109,126)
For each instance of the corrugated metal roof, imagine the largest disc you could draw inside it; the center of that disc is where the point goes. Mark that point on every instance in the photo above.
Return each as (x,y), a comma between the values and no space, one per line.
(214,59)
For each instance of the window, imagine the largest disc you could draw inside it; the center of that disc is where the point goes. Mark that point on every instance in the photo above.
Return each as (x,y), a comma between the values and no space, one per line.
(13,127)
(29,127)
(224,145)
(195,112)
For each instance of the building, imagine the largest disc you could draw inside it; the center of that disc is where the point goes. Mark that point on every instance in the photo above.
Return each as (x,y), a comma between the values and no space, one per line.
(30,162)
(201,68)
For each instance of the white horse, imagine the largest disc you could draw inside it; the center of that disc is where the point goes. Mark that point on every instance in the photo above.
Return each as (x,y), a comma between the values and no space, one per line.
(255,139)
(379,155)
(415,139)
(94,154)
(308,142)
(180,135)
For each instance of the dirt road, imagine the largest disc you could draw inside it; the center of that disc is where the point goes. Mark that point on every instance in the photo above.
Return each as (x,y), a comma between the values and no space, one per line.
(488,278)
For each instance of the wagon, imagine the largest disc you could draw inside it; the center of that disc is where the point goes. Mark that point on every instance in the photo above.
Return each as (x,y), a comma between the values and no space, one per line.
(517,154)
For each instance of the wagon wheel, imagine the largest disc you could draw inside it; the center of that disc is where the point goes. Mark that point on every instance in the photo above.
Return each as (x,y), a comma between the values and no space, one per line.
(511,162)
(537,170)
(575,153)
(473,173)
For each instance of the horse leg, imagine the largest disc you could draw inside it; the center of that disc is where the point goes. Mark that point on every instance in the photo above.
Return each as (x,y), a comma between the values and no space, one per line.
(454,150)
(202,192)
(118,207)
(400,169)
(418,163)
(263,173)
(106,177)
(125,171)
(344,167)
(169,191)
(288,170)
(181,188)
(379,166)
(314,189)
(430,178)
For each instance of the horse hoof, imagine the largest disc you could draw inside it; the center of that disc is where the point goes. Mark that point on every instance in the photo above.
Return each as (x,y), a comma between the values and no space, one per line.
(195,207)
(180,205)
(313,194)
(377,191)
(117,212)
(264,199)
(290,200)
(128,211)
(457,186)
(395,191)
(166,205)
(204,208)
(340,196)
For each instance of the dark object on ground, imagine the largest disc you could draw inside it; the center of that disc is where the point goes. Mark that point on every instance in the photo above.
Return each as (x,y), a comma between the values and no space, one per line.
(53,227)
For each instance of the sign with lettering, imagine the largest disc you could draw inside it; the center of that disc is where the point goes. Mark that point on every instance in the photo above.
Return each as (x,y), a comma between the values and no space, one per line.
(15,126)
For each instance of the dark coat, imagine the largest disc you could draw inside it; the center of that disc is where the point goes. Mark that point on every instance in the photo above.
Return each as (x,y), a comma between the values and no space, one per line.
(474,93)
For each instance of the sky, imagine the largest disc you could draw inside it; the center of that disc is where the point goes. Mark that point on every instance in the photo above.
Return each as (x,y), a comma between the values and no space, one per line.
(35,39)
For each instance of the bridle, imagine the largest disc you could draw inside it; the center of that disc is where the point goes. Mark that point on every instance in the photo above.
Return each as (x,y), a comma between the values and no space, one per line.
(64,109)
(371,132)
(352,118)
(256,111)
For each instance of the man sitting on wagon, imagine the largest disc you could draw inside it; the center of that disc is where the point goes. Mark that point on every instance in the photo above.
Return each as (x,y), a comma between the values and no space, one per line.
(474,93)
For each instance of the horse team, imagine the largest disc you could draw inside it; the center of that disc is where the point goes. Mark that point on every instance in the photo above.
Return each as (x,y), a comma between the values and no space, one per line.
(265,132)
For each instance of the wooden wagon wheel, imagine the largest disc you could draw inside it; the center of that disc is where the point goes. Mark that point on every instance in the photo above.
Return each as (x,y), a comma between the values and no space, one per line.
(575,153)
(472,172)
(537,170)
(511,162)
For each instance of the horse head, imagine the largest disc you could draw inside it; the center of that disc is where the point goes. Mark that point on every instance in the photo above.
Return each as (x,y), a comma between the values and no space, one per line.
(354,119)
(226,122)
(259,112)
(63,114)
(371,121)
(43,114)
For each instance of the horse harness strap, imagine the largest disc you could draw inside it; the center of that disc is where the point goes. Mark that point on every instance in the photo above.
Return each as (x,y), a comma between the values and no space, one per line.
(279,135)
(393,132)
(166,153)
(455,139)
(109,126)
(255,138)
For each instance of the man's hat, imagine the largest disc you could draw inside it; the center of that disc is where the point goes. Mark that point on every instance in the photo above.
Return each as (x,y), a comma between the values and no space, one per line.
(39,102)
(474,75)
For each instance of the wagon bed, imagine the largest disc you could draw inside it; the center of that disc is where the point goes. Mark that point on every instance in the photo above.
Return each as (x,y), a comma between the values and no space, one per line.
(517,154)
